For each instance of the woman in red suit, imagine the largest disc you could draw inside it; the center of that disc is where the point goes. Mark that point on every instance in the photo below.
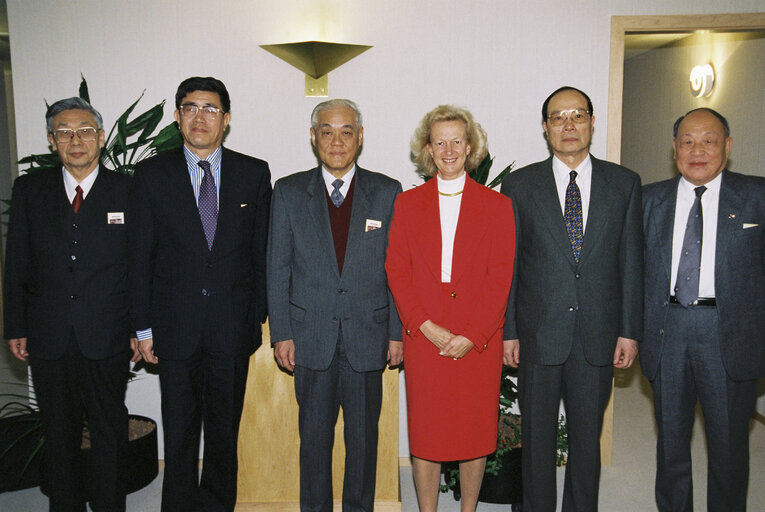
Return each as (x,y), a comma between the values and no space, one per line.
(450,264)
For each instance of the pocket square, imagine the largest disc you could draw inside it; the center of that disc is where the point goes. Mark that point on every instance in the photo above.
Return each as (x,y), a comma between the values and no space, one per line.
(242,205)
(747,225)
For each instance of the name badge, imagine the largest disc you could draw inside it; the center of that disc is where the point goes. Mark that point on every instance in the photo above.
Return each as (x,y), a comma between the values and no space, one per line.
(115,217)
(372,225)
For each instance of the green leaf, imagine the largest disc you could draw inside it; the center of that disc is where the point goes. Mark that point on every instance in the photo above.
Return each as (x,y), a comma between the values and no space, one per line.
(84,94)
(481,173)
(168,138)
(496,181)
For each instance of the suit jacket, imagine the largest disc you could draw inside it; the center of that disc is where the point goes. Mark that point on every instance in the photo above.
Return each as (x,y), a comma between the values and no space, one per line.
(60,277)
(308,296)
(553,298)
(182,290)
(739,272)
(482,262)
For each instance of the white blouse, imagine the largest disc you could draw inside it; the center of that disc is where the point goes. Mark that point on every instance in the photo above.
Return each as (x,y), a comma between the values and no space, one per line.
(449,210)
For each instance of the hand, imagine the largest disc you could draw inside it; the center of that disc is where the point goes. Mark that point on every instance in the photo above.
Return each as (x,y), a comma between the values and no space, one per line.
(18,348)
(457,347)
(284,352)
(146,348)
(134,347)
(395,352)
(511,353)
(625,353)
(437,335)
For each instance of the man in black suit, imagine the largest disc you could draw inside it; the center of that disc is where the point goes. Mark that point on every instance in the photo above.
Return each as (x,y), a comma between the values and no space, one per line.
(705,319)
(66,305)
(198,279)
(575,308)
(333,321)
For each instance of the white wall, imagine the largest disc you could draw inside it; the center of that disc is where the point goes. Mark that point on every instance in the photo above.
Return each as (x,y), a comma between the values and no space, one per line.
(500,58)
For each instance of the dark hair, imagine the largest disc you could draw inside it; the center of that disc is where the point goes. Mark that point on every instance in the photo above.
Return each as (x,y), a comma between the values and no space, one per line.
(718,115)
(74,103)
(561,89)
(203,83)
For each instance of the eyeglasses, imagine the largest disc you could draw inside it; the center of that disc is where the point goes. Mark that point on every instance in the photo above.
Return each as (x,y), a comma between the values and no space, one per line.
(66,134)
(208,111)
(577,115)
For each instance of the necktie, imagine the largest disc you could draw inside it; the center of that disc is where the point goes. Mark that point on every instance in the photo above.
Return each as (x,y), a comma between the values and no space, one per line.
(77,199)
(687,285)
(208,203)
(572,214)
(336,196)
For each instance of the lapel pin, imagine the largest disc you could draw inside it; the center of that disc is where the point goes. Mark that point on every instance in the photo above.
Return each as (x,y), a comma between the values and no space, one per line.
(731,215)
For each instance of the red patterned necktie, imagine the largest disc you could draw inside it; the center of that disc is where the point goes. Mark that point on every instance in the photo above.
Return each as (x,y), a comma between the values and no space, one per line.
(77,199)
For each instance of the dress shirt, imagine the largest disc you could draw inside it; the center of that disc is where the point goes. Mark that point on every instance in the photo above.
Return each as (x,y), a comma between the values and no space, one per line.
(449,211)
(195,174)
(329,179)
(583,181)
(709,205)
(70,183)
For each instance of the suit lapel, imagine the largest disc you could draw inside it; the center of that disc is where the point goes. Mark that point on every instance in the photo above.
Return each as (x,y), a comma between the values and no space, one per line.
(59,207)
(180,192)
(662,225)
(471,228)
(546,197)
(431,224)
(728,219)
(363,191)
(94,206)
(227,206)
(317,210)
(602,204)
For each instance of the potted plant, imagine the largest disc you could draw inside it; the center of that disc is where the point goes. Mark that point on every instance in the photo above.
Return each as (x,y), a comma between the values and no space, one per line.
(21,439)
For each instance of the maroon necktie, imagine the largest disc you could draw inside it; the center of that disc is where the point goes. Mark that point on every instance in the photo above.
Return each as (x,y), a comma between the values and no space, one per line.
(77,199)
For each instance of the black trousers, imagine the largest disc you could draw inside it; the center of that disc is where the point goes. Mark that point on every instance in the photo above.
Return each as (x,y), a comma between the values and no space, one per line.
(320,394)
(691,369)
(585,390)
(207,388)
(69,390)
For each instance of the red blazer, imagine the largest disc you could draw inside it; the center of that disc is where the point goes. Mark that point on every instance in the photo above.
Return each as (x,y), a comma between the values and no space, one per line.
(482,263)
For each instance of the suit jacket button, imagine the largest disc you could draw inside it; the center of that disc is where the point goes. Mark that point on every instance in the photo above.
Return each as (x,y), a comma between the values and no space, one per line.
(571,308)
(408,332)
(661,331)
(577,275)
(73,257)
(204,291)
(485,346)
(454,295)
(74,296)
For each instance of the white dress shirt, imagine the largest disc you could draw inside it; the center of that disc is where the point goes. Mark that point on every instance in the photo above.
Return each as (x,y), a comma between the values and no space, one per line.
(449,211)
(70,184)
(329,179)
(583,181)
(710,201)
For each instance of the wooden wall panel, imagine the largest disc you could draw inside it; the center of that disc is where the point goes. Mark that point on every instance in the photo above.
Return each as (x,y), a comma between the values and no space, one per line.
(269,442)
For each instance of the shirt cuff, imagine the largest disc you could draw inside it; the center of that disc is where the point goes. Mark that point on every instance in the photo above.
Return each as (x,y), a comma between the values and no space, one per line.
(144,334)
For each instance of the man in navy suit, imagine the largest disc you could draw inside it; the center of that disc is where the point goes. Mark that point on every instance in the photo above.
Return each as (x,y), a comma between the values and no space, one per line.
(333,321)
(198,279)
(66,305)
(704,312)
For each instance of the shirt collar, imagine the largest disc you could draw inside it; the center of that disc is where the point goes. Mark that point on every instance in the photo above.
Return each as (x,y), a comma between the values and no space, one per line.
(583,170)
(347,178)
(713,187)
(70,184)
(192,159)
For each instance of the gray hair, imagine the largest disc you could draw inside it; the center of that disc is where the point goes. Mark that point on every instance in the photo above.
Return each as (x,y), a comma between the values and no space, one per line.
(74,103)
(326,105)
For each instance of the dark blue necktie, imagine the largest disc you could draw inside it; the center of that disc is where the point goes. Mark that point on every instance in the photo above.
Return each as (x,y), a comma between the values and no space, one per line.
(572,214)
(336,196)
(208,203)
(687,285)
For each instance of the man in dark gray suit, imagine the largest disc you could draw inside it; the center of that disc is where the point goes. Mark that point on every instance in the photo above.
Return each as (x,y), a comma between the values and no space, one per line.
(333,321)
(575,308)
(705,318)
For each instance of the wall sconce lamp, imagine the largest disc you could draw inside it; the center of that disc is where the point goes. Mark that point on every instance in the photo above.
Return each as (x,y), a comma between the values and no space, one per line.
(316,59)
(702,80)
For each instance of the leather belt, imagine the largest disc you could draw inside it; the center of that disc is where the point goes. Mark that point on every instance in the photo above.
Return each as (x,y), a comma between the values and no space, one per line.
(703,301)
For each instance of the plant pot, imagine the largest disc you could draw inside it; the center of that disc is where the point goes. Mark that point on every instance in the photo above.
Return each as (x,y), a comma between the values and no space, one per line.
(506,487)
(140,465)
(13,476)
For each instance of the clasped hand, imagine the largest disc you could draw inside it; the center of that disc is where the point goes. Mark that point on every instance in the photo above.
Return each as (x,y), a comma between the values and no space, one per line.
(450,345)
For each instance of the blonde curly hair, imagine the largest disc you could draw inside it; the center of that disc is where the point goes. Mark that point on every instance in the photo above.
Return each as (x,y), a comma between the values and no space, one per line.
(476,138)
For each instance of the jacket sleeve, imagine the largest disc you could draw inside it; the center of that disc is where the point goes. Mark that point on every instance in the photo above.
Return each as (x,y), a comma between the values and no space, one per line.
(631,271)
(510,331)
(260,241)
(17,265)
(279,264)
(143,244)
(394,321)
(489,313)
(398,266)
